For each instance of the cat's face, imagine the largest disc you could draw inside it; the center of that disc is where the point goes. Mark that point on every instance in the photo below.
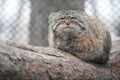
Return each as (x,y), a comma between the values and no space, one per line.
(67,24)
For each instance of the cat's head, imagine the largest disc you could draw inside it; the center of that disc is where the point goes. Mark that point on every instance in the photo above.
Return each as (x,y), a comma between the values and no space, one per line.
(67,24)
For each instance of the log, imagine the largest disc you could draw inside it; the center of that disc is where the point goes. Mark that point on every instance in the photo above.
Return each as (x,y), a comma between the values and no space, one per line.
(25,62)
(114,60)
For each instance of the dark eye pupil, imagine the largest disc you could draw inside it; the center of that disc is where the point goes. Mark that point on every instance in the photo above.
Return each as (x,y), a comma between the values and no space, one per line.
(61,19)
(73,18)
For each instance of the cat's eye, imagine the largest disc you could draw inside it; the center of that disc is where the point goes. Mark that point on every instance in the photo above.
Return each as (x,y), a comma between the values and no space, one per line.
(61,19)
(73,18)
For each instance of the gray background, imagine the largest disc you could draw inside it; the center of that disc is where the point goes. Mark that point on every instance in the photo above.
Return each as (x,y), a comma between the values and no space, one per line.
(26,21)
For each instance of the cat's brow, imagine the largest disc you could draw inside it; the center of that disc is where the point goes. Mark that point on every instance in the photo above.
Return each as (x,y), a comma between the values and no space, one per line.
(66,15)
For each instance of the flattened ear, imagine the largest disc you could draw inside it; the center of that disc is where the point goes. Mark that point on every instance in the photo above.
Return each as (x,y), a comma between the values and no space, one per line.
(51,18)
(52,14)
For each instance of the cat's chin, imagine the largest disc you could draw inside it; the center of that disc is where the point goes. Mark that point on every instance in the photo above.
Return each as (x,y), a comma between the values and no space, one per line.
(68,36)
(67,30)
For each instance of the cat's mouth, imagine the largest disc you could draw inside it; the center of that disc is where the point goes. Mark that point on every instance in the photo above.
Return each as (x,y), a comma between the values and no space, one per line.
(67,28)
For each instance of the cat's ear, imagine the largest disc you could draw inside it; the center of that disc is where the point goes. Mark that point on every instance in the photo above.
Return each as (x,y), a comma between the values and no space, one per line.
(51,15)
(51,18)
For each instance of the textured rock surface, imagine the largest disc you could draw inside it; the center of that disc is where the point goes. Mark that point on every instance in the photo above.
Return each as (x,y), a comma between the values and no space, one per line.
(115,57)
(21,62)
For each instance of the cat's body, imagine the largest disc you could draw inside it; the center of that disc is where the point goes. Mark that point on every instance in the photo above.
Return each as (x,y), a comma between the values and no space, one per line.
(79,34)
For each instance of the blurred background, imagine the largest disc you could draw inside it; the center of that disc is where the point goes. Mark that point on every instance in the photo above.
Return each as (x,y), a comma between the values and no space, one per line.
(26,21)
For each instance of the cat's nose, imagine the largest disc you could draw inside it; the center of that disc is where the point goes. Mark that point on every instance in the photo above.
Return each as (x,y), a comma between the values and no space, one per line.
(67,21)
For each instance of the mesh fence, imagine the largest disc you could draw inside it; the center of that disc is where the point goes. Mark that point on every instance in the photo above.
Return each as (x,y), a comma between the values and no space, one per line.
(107,11)
(15,17)
(14,20)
